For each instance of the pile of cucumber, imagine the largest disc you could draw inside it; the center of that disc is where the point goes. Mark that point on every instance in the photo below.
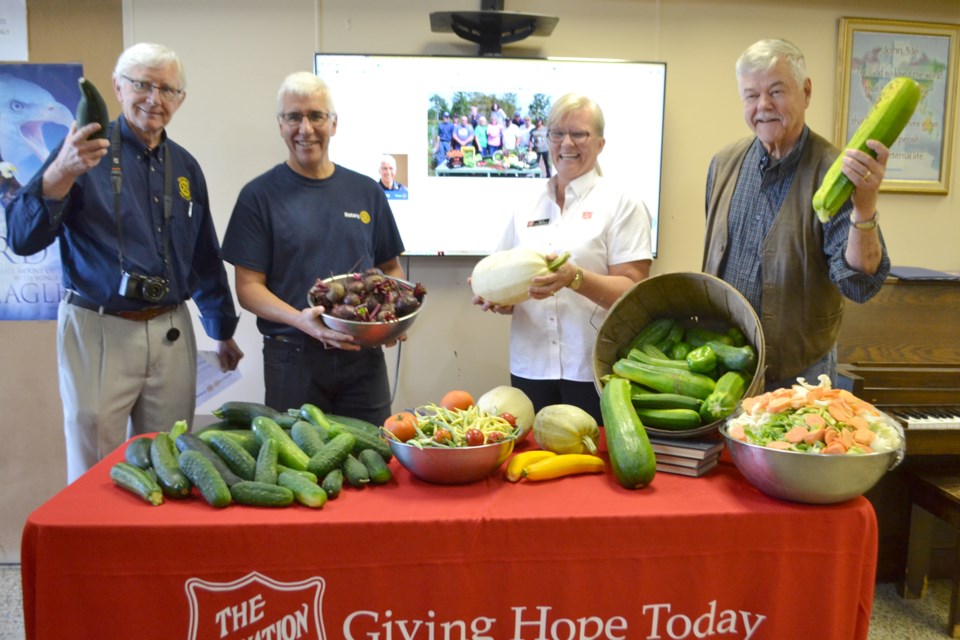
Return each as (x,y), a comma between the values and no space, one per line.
(684,377)
(257,456)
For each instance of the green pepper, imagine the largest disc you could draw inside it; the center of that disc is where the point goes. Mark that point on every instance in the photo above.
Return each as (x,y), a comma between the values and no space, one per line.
(680,350)
(737,336)
(702,360)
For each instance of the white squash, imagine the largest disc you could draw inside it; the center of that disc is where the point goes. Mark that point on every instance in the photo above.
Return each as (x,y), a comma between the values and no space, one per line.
(504,277)
(566,428)
(507,399)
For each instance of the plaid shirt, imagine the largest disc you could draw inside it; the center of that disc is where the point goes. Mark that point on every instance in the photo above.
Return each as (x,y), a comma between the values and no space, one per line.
(762,187)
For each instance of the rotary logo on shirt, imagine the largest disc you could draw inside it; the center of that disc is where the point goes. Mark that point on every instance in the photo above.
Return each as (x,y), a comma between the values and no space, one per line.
(184,186)
(363,216)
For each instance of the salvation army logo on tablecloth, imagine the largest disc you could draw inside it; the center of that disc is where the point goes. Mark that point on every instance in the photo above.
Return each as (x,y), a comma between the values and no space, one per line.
(255,606)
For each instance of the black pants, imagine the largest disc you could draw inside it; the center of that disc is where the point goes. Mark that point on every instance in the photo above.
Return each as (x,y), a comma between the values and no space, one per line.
(547,392)
(345,383)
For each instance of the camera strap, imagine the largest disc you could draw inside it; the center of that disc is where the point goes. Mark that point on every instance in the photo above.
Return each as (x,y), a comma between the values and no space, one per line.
(116,179)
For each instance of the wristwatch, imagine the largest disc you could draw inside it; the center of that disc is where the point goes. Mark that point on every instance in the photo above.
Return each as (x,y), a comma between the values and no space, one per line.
(865,225)
(577,280)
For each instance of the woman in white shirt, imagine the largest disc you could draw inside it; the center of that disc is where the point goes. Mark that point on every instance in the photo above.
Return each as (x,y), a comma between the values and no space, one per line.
(607,233)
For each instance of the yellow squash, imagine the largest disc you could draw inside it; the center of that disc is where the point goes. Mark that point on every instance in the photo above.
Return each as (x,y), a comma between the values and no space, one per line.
(562,465)
(521,461)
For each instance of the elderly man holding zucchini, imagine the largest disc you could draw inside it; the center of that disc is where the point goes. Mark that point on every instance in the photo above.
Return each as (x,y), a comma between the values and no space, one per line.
(607,234)
(762,233)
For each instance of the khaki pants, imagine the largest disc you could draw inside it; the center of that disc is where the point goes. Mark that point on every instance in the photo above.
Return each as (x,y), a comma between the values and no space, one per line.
(120,378)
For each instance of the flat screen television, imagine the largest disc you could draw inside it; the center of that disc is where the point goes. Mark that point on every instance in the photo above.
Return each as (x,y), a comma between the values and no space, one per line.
(461,204)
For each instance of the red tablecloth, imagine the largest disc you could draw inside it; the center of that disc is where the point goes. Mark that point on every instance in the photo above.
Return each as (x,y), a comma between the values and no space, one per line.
(578,557)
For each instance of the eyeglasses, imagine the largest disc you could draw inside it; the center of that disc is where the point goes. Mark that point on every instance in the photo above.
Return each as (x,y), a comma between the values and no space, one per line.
(295,118)
(557,135)
(143,87)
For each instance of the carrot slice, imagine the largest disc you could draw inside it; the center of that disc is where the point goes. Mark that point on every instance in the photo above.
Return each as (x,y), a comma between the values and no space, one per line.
(778,405)
(795,435)
(816,435)
(834,449)
(778,444)
(863,436)
(814,420)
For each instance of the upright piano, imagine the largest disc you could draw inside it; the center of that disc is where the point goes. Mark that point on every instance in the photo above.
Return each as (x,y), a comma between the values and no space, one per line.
(901,352)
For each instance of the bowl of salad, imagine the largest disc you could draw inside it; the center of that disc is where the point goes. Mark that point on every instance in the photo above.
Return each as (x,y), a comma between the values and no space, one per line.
(812,443)
(454,446)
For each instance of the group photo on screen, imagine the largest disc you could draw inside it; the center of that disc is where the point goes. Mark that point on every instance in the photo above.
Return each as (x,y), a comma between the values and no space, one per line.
(477,134)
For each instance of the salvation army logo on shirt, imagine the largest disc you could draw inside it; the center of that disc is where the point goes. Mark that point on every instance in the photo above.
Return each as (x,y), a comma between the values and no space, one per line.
(587,215)
(255,606)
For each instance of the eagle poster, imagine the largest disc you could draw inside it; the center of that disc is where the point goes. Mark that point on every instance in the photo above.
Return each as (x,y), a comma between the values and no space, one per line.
(37,103)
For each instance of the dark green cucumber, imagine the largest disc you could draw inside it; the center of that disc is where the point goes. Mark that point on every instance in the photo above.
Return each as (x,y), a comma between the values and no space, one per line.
(242,413)
(312,477)
(685,383)
(267,462)
(193,442)
(137,481)
(655,400)
(673,336)
(698,336)
(652,333)
(355,472)
(169,476)
(305,492)
(310,438)
(669,419)
(137,453)
(92,108)
(333,483)
(640,355)
(356,423)
(735,358)
(631,456)
(206,478)
(240,461)
(314,415)
(290,455)
(261,494)
(332,455)
(365,440)
(377,468)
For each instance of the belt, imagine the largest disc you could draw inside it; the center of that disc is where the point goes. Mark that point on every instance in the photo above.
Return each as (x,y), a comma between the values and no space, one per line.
(279,337)
(142,315)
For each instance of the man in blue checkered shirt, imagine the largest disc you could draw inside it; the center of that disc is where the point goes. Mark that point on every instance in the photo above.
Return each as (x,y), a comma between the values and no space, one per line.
(762,234)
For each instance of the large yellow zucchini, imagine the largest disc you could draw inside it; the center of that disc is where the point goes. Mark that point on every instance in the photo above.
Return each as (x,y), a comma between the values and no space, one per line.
(886,119)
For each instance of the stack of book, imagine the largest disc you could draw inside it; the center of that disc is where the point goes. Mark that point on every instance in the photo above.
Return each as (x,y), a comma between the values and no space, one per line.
(686,456)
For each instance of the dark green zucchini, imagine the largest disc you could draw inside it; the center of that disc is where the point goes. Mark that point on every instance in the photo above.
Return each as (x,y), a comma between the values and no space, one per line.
(92,108)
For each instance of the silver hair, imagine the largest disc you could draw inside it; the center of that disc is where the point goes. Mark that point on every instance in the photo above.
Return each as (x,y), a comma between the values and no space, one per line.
(763,55)
(152,56)
(304,84)
(574,102)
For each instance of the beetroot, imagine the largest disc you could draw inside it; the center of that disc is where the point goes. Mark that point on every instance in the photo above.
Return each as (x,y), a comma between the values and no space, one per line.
(370,296)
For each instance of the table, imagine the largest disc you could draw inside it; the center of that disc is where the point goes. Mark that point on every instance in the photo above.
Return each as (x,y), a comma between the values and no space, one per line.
(575,557)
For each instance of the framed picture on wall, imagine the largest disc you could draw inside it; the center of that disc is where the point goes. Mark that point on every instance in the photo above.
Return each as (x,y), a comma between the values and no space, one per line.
(871,53)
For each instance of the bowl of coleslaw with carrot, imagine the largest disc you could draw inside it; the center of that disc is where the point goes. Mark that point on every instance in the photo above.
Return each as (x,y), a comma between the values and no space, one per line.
(813,443)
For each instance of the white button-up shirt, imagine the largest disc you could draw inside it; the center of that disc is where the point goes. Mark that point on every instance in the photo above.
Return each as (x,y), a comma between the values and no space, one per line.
(553,338)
